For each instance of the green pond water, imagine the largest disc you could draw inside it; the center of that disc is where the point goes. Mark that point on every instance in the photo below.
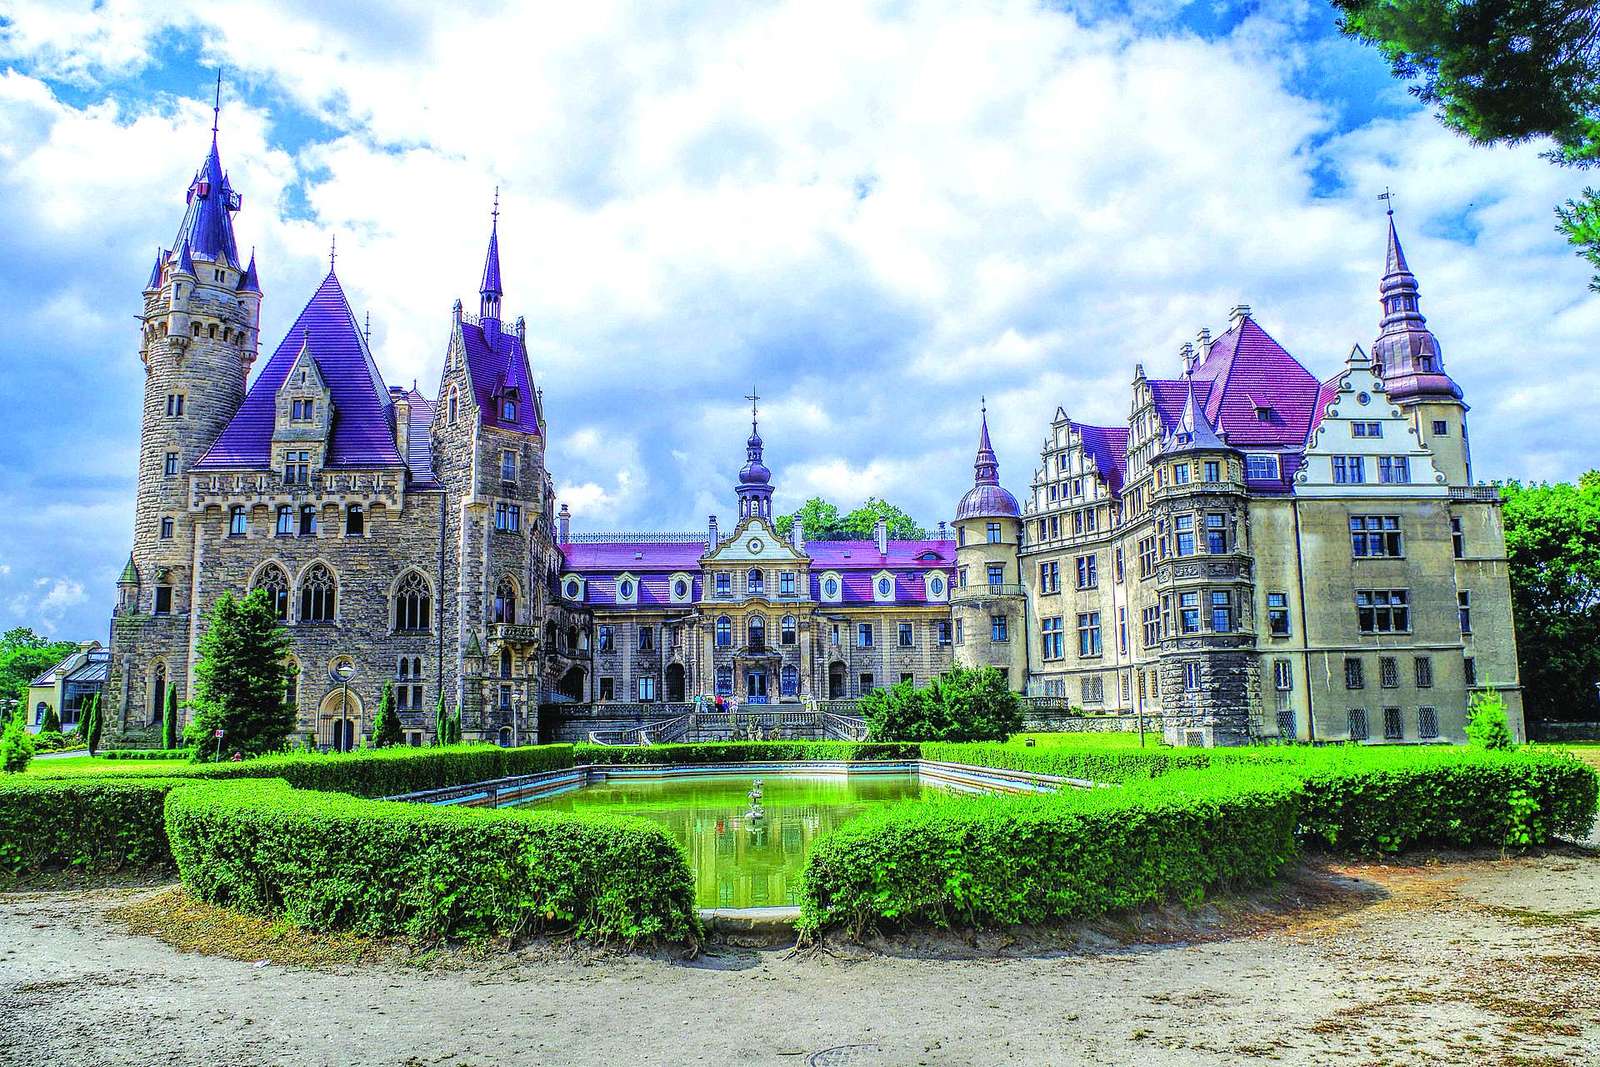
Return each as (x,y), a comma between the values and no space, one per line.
(741,862)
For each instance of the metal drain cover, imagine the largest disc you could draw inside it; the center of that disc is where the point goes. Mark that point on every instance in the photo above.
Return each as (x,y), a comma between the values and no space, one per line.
(845,1056)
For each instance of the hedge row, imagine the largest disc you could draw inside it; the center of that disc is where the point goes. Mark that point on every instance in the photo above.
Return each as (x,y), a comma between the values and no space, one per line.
(747,752)
(332,861)
(148,753)
(1099,765)
(1039,858)
(87,825)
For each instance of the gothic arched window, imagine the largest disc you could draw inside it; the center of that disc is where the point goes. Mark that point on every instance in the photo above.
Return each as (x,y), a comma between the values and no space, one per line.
(317,593)
(158,692)
(724,631)
(413,603)
(505,602)
(276,583)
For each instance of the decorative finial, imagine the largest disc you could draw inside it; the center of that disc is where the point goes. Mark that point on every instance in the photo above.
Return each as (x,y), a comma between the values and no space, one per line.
(752,396)
(495,214)
(1386,195)
(333,251)
(216,107)
(983,405)
(367,333)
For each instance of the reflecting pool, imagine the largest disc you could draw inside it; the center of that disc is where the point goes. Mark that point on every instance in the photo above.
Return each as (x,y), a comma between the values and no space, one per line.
(741,859)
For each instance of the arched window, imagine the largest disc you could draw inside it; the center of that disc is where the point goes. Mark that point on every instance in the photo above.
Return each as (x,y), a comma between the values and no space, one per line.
(757,627)
(276,583)
(158,692)
(754,582)
(505,602)
(412,603)
(724,632)
(791,680)
(238,521)
(317,593)
(789,634)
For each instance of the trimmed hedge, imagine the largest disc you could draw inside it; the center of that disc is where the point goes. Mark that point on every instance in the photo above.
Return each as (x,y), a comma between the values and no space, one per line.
(148,753)
(746,752)
(1040,858)
(333,861)
(1095,764)
(85,825)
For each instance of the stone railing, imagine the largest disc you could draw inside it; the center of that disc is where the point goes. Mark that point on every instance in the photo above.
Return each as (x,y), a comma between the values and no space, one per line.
(984,591)
(1483,494)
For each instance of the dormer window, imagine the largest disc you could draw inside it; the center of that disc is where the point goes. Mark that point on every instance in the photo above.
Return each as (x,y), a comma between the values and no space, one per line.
(508,411)
(302,410)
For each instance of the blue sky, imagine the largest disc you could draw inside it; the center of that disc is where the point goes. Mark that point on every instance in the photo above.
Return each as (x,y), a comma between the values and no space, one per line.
(876,213)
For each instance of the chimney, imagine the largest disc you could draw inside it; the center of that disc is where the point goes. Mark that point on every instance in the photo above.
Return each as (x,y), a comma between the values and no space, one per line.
(1187,354)
(1238,313)
(797,535)
(1202,344)
(880,534)
(712,540)
(402,421)
(944,531)
(564,525)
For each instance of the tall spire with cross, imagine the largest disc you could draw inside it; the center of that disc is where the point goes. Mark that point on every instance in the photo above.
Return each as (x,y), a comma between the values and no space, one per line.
(1406,353)
(490,291)
(755,480)
(987,498)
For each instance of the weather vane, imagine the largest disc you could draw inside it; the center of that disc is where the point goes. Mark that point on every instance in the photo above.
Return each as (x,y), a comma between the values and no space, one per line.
(333,251)
(1389,197)
(216,106)
(752,396)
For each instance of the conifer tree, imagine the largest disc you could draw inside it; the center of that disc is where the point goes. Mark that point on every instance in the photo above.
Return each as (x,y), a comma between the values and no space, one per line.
(89,726)
(16,744)
(441,722)
(386,724)
(242,679)
(51,724)
(169,719)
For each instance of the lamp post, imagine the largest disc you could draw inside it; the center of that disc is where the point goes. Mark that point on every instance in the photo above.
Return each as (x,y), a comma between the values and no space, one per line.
(343,671)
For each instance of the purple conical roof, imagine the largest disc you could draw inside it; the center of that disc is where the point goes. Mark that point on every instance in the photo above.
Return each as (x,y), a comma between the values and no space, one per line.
(491,264)
(986,498)
(249,282)
(185,260)
(1194,431)
(155,271)
(208,222)
(1406,351)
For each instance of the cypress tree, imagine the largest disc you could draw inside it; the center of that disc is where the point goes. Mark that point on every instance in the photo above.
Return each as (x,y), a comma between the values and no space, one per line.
(92,722)
(169,719)
(386,724)
(51,723)
(455,726)
(441,722)
(242,679)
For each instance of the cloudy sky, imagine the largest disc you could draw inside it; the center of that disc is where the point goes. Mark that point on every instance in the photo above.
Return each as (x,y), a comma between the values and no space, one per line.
(874,213)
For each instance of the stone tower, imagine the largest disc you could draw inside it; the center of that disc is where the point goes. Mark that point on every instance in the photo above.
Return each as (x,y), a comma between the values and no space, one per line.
(988,605)
(198,339)
(1406,356)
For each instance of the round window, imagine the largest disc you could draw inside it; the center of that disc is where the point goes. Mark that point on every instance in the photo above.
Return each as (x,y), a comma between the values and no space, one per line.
(756,545)
(937,585)
(626,589)
(831,588)
(572,590)
(884,586)
(681,590)
(1363,399)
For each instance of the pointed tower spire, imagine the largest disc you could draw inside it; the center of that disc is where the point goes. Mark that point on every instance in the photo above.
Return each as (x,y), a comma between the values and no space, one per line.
(208,222)
(1194,431)
(986,498)
(155,271)
(1406,353)
(490,291)
(250,281)
(186,260)
(986,468)
(755,480)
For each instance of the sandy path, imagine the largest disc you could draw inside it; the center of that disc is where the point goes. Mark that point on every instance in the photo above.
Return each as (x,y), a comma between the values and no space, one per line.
(1475,961)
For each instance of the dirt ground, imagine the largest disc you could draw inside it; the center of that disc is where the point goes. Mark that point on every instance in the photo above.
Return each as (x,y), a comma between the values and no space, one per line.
(1471,960)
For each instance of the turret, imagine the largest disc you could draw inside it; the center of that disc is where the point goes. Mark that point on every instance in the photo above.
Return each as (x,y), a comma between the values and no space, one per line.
(1407,357)
(755,480)
(988,605)
(490,291)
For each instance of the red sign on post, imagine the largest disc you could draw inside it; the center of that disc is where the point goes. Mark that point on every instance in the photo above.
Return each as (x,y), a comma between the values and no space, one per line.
(218,733)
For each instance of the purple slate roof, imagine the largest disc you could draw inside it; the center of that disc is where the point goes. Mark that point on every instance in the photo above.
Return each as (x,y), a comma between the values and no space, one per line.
(639,557)
(654,591)
(1325,395)
(863,555)
(495,362)
(362,433)
(419,439)
(207,225)
(1109,447)
(1247,367)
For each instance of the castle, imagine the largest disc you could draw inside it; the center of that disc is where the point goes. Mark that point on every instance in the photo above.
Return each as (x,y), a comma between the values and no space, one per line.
(1256,554)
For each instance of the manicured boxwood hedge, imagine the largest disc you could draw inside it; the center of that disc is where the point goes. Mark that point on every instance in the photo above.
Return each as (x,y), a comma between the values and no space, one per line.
(747,752)
(83,825)
(1095,764)
(1038,858)
(332,861)
(148,753)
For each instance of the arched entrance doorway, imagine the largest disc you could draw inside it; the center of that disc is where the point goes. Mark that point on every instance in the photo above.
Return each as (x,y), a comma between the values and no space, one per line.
(339,720)
(836,681)
(675,683)
(571,685)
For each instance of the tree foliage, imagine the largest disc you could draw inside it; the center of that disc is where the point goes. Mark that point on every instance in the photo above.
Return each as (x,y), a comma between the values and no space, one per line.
(16,744)
(1553,542)
(1486,721)
(823,521)
(386,723)
(963,704)
(51,724)
(92,722)
(1502,72)
(169,719)
(241,679)
(24,655)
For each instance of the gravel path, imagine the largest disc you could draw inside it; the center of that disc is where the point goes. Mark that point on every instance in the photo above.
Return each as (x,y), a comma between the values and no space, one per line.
(1475,961)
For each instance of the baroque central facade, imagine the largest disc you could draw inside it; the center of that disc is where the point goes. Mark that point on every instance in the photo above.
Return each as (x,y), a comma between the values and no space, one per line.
(1257,553)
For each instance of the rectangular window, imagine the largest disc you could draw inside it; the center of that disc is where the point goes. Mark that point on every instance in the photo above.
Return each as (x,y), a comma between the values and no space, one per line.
(163,604)
(1050,577)
(508,466)
(647,638)
(1376,536)
(907,678)
(1469,667)
(1088,577)
(1213,471)
(1119,564)
(724,583)
(1221,612)
(1147,556)
(1394,470)
(355,521)
(608,688)
(1122,631)
(1458,538)
(308,521)
(996,573)
(1358,724)
(867,684)
(907,635)
(1191,677)
(1050,639)
(507,517)
(1393,729)
(1388,672)
(1089,633)
(1349,470)
(1353,675)
(1183,527)
(1441,428)
(1151,619)
(833,634)
(285,527)
(941,632)
(1180,474)
(238,522)
(786,583)
(997,628)
(175,405)
(1366,429)
(605,637)
(1464,610)
(1282,675)
(1286,724)
(297,468)
(1384,611)
(166,529)
(994,533)
(1189,612)
(863,635)
(647,690)
(1093,689)
(1261,466)
(1427,723)
(1216,533)
(1424,671)
(170,467)
(1278,614)
(961,637)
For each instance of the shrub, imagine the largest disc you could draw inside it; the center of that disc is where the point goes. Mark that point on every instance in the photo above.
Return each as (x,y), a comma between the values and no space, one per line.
(963,704)
(16,745)
(93,723)
(169,719)
(55,742)
(744,752)
(242,679)
(51,723)
(386,731)
(147,754)
(329,861)
(1094,764)
(1486,721)
(86,825)
(996,860)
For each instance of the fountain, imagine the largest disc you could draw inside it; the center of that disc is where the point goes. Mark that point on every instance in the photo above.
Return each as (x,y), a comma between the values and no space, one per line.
(756,813)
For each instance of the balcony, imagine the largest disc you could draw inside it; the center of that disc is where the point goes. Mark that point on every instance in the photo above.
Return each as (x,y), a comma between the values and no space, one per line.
(986,591)
(514,633)
(1482,494)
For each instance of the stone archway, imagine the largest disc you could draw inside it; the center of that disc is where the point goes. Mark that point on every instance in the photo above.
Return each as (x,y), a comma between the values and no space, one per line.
(571,686)
(339,720)
(836,689)
(676,684)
